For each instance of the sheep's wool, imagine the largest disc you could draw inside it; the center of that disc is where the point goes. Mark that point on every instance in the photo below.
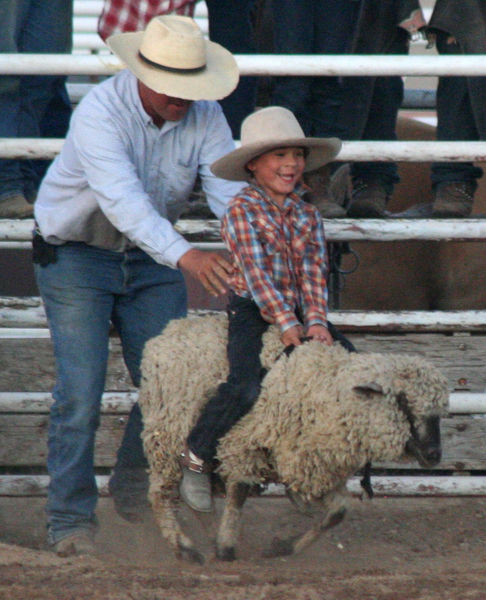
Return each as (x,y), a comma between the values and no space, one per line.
(310,428)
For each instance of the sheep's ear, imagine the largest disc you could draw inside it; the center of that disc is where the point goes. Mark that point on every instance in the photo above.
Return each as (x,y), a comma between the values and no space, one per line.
(369,389)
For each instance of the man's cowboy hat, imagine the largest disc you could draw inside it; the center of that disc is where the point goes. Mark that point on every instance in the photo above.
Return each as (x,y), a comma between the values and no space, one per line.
(267,129)
(172,57)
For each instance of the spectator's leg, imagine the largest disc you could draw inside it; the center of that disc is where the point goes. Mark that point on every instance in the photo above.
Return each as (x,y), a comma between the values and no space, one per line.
(153,296)
(373,182)
(12,201)
(454,184)
(230,24)
(334,24)
(293,34)
(45,107)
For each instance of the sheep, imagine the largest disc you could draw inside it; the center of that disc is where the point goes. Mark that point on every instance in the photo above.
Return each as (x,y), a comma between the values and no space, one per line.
(323,413)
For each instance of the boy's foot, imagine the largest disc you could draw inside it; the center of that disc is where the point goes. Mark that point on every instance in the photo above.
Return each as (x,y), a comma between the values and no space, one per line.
(195,487)
(79,543)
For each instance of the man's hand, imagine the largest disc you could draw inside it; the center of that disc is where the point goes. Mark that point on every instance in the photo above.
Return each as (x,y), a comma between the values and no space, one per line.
(210,268)
(292,336)
(321,334)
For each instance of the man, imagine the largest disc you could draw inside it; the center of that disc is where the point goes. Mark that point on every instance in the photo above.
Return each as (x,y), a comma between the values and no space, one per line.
(106,250)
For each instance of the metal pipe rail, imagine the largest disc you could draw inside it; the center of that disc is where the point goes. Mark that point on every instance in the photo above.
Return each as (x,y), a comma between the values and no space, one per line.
(411,151)
(263,65)
(25,317)
(120,403)
(337,230)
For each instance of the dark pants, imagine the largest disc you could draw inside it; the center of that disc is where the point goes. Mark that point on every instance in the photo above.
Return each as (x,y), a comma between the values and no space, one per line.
(236,397)
(312,27)
(230,24)
(455,119)
(369,112)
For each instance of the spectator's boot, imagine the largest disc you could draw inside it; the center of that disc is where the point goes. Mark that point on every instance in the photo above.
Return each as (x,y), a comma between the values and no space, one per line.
(369,199)
(15,207)
(453,199)
(321,193)
(195,487)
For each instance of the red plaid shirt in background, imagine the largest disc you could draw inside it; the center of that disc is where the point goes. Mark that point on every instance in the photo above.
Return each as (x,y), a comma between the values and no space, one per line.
(119,16)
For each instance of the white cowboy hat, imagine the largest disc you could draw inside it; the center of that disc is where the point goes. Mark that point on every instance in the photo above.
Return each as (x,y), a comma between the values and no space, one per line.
(172,57)
(269,128)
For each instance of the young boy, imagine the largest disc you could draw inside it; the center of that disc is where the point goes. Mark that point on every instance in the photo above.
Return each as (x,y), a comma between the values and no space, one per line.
(278,251)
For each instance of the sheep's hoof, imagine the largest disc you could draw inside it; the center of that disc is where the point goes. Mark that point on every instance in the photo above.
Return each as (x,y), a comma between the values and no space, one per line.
(227,553)
(279,548)
(191,555)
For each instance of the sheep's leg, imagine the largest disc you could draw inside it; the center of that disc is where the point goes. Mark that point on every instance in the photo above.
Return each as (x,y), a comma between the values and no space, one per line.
(335,511)
(236,494)
(165,515)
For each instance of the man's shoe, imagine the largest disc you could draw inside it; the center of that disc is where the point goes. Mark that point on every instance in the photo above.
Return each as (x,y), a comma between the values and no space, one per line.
(453,199)
(128,488)
(195,487)
(368,199)
(78,543)
(15,207)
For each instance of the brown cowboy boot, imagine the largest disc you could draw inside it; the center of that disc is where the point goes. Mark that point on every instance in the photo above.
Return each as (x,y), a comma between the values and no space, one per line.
(369,199)
(453,199)
(320,193)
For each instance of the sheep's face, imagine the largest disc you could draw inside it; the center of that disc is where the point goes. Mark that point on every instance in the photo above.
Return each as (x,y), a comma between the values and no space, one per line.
(420,393)
(424,444)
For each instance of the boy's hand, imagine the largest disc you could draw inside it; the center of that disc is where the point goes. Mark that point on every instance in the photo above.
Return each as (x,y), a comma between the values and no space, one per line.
(292,336)
(321,334)
(210,268)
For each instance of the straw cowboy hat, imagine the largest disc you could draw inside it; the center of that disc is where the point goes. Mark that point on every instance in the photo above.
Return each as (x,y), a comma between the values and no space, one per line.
(267,129)
(172,57)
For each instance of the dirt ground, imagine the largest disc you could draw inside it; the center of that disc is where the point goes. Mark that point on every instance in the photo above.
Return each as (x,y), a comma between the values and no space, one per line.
(387,549)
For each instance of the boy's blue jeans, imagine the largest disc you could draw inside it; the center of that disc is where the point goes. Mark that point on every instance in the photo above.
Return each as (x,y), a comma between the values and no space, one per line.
(85,290)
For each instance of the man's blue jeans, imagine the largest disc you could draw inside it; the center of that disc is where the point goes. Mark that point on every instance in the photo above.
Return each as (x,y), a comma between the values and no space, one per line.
(32,106)
(84,291)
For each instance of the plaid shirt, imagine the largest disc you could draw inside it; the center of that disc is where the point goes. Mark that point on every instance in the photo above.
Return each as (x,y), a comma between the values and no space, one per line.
(279,256)
(119,16)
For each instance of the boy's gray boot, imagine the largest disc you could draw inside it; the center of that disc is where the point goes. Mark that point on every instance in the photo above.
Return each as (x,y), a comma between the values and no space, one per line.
(195,487)
(195,490)
(453,199)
